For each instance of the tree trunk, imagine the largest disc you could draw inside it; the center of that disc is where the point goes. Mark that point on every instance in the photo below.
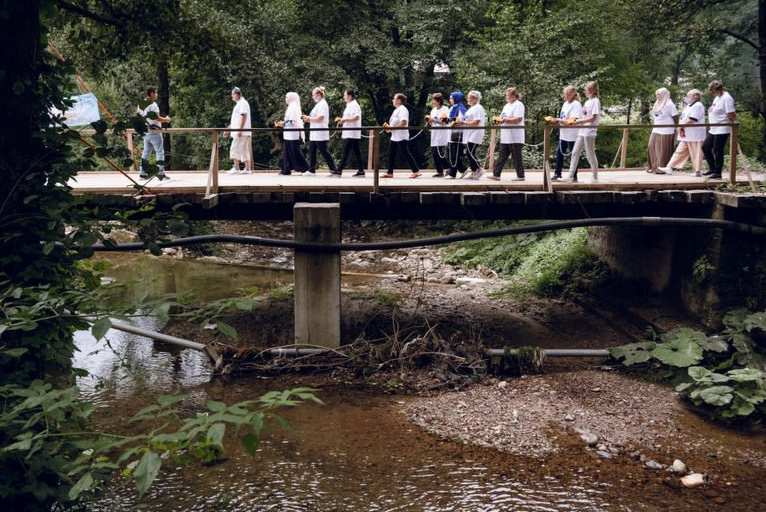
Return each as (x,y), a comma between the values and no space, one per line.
(164,93)
(762,70)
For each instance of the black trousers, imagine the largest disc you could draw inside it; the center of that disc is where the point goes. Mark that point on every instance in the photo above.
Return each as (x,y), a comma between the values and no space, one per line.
(473,160)
(440,158)
(456,148)
(401,147)
(292,157)
(351,146)
(321,146)
(563,146)
(514,151)
(713,151)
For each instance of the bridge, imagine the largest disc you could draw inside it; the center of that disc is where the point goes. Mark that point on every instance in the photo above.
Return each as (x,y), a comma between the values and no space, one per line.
(267,195)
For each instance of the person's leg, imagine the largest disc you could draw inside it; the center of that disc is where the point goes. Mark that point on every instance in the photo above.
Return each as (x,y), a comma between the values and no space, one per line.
(652,162)
(473,161)
(248,153)
(355,147)
(393,148)
(312,156)
(574,158)
(505,150)
(438,164)
(707,150)
(590,154)
(453,158)
(680,156)
(322,145)
(411,159)
(560,149)
(344,156)
(696,154)
(518,163)
(286,163)
(719,144)
(299,159)
(159,153)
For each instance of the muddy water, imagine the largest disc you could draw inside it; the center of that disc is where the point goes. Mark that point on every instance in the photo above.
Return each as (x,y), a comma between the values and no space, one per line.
(356,452)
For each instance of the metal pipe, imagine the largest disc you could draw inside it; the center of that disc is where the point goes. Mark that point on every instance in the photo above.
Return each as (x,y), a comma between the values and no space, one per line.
(554,352)
(437,240)
(165,338)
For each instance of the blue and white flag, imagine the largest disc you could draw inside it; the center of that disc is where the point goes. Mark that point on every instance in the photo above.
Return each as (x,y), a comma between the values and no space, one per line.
(83,112)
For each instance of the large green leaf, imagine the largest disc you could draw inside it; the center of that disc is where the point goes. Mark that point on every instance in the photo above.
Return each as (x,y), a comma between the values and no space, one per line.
(633,353)
(680,352)
(755,321)
(716,395)
(215,434)
(146,471)
(83,484)
(745,375)
(700,374)
(713,344)
(101,327)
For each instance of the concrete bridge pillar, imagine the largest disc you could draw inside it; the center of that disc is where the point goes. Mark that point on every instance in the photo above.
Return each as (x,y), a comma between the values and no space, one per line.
(317,275)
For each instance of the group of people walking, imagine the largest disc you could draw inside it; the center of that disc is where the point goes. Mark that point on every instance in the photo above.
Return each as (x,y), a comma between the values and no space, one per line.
(458,130)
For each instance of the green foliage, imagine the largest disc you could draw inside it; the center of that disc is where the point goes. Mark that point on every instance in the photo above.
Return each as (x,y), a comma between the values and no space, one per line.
(731,382)
(387,298)
(701,269)
(547,264)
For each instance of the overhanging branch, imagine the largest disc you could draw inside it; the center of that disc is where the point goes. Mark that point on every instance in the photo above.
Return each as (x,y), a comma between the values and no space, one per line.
(76,9)
(741,38)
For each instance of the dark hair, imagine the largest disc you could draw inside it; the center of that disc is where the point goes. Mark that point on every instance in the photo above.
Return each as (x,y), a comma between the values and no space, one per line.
(438,97)
(150,89)
(351,92)
(401,97)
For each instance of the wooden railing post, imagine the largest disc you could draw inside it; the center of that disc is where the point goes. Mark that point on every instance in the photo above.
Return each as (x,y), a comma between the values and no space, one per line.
(131,148)
(492,135)
(624,148)
(370,149)
(547,183)
(733,145)
(375,161)
(215,162)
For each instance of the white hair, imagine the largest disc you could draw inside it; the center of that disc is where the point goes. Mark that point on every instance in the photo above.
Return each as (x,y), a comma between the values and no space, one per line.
(475,94)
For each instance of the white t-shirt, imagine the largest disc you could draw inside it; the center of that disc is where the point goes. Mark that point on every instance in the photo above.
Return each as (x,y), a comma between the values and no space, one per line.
(719,111)
(475,135)
(591,107)
(696,134)
(291,121)
(400,114)
(439,137)
(320,109)
(241,108)
(664,116)
(153,123)
(514,135)
(352,109)
(569,110)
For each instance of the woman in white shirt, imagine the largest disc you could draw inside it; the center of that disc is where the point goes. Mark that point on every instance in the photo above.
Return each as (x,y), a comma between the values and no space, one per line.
(400,138)
(475,116)
(690,138)
(352,118)
(456,144)
(319,118)
(511,140)
(662,140)
(586,138)
(439,138)
(292,156)
(721,111)
(571,109)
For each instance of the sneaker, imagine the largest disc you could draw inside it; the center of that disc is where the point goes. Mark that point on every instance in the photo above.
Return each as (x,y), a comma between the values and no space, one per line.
(233,170)
(335,173)
(387,175)
(518,179)
(592,180)
(464,174)
(438,175)
(569,180)
(307,173)
(246,171)
(449,177)
(714,177)
(493,178)
(284,173)
(162,176)
(359,174)
(556,178)
(143,176)
(663,170)
(477,174)
(709,173)
(415,175)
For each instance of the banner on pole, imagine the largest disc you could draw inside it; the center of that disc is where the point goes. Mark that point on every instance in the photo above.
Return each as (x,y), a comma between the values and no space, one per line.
(83,112)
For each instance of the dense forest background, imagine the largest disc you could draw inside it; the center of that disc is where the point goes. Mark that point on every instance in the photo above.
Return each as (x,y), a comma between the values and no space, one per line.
(197,50)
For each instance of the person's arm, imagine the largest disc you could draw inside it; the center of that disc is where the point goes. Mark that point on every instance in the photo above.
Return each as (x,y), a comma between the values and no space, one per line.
(732,116)
(242,121)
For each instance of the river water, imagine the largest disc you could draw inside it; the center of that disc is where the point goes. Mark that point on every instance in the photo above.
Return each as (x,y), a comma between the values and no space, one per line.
(355,453)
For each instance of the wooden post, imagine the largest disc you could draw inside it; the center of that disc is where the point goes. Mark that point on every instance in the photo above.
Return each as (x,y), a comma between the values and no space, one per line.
(317,275)
(492,135)
(624,153)
(131,148)
(375,163)
(547,183)
(370,149)
(733,144)
(215,162)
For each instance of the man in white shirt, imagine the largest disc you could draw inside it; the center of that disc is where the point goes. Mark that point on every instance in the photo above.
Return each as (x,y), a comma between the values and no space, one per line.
(241,148)
(721,111)
(153,138)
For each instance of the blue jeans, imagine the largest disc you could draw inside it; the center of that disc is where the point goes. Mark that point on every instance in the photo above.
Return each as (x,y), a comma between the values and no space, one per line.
(153,140)
(564,146)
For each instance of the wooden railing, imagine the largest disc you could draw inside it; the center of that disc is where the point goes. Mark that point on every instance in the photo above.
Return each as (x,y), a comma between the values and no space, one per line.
(374,137)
